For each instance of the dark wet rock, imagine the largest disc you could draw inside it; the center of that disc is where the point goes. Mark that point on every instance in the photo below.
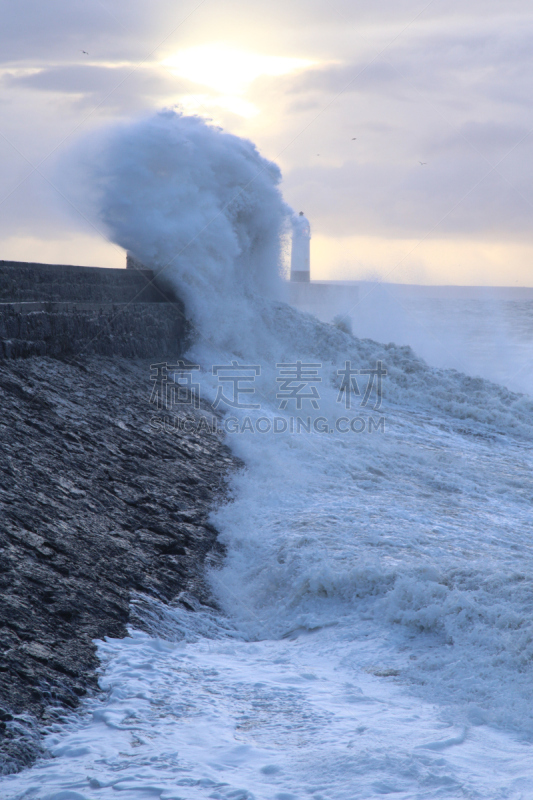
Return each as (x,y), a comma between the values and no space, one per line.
(95,504)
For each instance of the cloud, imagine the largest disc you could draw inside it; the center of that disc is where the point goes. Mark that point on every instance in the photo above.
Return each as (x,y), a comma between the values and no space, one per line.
(437,97)
(446,83)
(478,59)
(445,198)
(33,31)
(126,88)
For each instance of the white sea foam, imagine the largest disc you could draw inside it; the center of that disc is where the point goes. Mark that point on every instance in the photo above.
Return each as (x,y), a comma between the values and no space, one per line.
(378,587)
(481,331)
(199,206)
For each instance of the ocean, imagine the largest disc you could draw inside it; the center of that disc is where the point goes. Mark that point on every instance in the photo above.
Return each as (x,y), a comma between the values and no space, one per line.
(375,631)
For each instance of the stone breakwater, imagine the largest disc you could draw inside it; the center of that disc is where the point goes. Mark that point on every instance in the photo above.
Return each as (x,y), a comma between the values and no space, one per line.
(97,508)
(61,311)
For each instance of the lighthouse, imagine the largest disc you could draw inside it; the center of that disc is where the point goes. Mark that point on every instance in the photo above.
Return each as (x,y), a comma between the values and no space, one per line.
(300,254)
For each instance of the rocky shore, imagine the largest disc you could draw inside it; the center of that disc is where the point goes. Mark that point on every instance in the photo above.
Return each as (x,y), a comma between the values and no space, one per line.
(97,504)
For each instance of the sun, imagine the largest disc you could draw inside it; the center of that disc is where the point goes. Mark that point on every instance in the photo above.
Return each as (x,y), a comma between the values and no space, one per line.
(228,70)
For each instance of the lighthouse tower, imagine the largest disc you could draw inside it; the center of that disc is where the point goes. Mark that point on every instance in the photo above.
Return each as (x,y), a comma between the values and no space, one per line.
(300,254)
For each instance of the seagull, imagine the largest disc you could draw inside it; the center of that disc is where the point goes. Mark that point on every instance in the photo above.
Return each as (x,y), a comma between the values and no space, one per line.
(423,163)
(354,139)
(84,51)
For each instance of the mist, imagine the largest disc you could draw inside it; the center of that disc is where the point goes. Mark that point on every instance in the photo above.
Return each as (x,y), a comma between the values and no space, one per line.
(199,206)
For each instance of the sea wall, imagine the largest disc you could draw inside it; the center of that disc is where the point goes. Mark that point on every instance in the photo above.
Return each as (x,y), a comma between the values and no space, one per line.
(62,310)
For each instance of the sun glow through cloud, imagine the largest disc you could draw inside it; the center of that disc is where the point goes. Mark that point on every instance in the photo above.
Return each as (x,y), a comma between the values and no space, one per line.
(205,104)
(227,70)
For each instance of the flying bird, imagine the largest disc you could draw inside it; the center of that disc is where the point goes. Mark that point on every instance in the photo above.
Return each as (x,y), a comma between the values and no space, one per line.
(84,51)
(354,138)
(423,163)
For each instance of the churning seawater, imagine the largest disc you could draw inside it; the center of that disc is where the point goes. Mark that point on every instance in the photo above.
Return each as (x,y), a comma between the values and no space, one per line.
(377,594)
(376,627)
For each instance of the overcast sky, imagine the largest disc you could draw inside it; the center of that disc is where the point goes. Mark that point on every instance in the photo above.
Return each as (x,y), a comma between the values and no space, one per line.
(404,129)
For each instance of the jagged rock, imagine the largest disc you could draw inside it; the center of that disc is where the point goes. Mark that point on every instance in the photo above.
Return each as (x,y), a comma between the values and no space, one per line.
(95,504)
